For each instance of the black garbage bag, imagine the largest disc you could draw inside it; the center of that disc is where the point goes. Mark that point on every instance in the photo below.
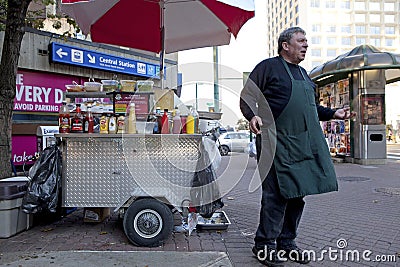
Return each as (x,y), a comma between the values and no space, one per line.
(205,195)
(44,188)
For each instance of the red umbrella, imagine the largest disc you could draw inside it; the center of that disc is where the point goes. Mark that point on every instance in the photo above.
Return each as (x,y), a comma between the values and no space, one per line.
(161,26)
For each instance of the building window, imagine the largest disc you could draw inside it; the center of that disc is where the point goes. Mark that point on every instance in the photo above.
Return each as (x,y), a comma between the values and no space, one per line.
(359,5)
(297,21)
(331,40)
(360,41)
(346,29)
(345,4)
(388,6)
(389,42)
(374,30)
(389,30)
(375,18)
(360,30)
(331,28)
(330,4)
(331,53)
(389,18)
(359,17)
(375,42)
(314,3)
(346,41)
(374,6)
(316,28)
(316,52)
(315,40)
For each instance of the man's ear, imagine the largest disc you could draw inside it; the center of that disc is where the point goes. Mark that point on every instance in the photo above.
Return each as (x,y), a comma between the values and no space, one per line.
(285,46)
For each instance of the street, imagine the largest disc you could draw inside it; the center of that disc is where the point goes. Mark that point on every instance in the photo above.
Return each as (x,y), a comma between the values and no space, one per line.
(393,151)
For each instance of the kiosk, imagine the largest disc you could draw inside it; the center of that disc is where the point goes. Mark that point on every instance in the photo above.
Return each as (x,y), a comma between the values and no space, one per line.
(366,70)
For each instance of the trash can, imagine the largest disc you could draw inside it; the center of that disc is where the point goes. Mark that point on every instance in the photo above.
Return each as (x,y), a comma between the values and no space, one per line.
(13,219)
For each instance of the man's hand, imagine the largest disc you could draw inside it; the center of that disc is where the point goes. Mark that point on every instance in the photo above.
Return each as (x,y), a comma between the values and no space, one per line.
(344,113)
(255,125)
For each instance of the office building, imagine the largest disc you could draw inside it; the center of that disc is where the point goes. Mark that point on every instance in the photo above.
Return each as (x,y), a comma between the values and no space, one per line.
(336,26)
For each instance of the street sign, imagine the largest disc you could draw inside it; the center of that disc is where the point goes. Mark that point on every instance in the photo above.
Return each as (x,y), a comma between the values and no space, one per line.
(78,56)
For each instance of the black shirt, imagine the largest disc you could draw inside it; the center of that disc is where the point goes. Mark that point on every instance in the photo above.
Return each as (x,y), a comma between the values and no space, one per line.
(272,79)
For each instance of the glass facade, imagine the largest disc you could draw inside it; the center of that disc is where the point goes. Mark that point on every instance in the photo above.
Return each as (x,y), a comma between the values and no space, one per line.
(334,26)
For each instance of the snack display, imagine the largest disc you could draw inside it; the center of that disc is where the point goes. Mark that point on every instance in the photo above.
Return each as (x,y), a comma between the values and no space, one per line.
(145,86)
(109,85)
(74,87)
(92,86)
(128,85)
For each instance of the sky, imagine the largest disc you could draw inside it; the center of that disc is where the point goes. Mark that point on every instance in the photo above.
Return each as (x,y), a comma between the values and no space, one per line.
(241,55)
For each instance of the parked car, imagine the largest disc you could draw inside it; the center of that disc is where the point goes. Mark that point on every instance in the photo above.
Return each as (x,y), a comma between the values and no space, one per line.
(233,142)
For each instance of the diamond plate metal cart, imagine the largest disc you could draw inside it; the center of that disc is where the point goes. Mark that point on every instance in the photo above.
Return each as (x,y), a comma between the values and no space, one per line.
(141,176)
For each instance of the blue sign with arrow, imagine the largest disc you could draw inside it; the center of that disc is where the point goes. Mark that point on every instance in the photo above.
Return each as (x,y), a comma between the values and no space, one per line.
(62,53)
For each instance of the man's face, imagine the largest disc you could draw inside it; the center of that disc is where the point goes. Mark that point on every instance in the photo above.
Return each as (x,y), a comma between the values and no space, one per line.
(296,49)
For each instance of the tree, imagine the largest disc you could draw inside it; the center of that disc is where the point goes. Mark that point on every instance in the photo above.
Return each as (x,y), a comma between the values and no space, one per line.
(14,18)
(242,124)
(13,34)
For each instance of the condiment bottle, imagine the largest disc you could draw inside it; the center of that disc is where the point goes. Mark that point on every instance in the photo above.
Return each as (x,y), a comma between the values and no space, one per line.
(104,124)
(195,115)
(89,121)
(158,120)
(132,119)
(121,124)
(176,123)
(112,125)
(153,118)
(190,123)
(183,123)
(64,118)
(77,120)
(165,123)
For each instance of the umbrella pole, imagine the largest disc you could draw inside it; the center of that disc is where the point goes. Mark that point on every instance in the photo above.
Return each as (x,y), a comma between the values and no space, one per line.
(162,62)
(162,53)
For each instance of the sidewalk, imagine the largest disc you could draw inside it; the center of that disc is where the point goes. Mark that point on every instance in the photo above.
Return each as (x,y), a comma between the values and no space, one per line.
(363,215)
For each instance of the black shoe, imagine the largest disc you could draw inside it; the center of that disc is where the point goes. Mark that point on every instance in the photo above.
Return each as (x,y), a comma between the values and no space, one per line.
(295,254)
(270,259)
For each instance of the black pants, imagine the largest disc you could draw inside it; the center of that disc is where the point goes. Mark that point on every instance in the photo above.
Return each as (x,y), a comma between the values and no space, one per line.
(279,217)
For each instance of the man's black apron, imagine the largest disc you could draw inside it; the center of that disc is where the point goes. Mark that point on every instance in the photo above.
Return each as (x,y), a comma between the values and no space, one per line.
(302,161)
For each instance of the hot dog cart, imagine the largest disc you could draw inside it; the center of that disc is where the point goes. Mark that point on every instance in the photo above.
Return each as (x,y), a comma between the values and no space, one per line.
(143,176)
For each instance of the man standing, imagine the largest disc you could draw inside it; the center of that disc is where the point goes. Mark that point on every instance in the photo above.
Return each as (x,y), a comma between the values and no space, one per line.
(293,158)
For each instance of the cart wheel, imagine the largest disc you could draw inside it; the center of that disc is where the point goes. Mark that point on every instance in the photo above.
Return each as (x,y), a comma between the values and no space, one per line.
(148,222)
(224,150)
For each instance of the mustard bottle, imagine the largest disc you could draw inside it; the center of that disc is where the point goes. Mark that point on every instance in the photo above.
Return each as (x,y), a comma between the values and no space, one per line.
(190,123)
(104,124)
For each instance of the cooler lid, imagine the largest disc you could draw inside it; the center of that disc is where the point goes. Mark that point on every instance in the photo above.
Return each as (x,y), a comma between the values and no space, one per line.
(47,130)
(12,190)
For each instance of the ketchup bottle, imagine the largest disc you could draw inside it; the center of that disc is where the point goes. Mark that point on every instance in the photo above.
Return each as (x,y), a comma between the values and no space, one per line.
(165,123)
